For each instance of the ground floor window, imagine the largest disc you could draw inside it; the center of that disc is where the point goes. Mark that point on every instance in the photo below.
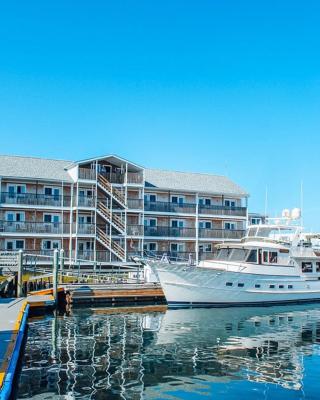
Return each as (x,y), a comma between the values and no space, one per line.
(50,244)
(150,246)
(15,245)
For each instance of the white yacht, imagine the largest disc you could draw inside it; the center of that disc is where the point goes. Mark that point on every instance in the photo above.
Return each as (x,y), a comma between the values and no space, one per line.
(272,264)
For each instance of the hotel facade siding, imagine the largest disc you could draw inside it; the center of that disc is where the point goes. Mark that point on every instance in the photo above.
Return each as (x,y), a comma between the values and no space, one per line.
(108,209)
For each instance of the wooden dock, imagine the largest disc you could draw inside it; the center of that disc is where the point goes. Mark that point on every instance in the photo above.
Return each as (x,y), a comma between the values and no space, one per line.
(114,293)
(13,320)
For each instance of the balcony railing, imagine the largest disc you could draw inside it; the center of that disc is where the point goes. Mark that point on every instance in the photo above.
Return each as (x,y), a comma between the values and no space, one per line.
(223,210)
(190,208)
(168,231)
(135,230)
(221,233)
(84,229)
(164,206)
(22,227)
(135,204)
(35,199)
(87,174)
(135,177)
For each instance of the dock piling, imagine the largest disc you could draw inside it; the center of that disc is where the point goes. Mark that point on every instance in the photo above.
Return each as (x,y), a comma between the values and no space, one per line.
(55,275)
(61,265)
(20,274)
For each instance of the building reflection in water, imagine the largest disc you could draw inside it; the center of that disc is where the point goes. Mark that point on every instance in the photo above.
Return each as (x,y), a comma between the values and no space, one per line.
(102,354)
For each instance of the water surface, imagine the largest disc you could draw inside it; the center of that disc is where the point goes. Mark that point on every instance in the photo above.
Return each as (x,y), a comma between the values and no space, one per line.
(252,353)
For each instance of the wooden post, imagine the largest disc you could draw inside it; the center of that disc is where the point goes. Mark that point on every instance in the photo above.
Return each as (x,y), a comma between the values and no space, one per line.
(20,274)
(61,265)
(55,275)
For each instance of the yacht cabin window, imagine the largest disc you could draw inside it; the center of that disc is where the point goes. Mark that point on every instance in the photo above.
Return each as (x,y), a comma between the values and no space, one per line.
(252,258)
(317,266)
(270,257)
(306,267)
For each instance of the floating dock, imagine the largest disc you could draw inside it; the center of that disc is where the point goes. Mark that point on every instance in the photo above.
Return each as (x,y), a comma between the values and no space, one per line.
(114,293)
(13,322)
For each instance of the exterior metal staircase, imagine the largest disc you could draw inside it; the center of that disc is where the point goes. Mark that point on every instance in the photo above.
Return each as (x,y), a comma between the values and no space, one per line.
(105,185)
(112,219)
(111,245)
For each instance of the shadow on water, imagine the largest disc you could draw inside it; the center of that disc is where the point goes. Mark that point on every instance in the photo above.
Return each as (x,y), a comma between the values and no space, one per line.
(154,353)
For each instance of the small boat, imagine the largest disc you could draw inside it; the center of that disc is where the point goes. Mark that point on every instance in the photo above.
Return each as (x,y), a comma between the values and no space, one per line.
(273,264)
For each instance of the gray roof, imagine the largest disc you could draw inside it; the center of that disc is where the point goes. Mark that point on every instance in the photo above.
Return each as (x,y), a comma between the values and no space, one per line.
(192,182)
(55,170)
(34,168)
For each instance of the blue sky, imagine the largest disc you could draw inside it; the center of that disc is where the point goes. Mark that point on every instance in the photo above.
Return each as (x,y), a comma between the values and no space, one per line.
(226,87)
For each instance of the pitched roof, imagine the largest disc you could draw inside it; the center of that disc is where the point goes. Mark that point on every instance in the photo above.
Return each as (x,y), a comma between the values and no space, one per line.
(34,168)
(192,182)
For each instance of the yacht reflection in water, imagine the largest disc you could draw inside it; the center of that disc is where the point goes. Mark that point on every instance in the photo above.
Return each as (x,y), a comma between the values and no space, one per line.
(136,355)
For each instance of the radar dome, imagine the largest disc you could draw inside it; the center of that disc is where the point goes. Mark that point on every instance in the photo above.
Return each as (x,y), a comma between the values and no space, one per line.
(286,213)
(296,213)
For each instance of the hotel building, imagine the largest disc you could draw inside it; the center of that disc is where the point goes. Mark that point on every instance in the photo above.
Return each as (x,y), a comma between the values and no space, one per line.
(107,209)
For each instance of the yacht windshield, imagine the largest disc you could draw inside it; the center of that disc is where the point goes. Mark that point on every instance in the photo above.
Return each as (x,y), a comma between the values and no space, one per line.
(228,254)
(272,232)
(238,255)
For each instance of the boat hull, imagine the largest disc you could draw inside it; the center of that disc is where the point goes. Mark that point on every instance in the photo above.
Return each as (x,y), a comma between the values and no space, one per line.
(186,286)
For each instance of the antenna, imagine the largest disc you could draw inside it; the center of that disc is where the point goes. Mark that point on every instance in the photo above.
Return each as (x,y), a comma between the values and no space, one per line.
(266,202)
(301,201)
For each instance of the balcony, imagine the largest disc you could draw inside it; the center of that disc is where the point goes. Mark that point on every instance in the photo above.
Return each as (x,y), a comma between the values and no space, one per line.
(223,210)
(35,199)
(221,233)
(167,231)
(169,207)
(84,229)
(135,230)
(87,174)
(28,227)
(135,204)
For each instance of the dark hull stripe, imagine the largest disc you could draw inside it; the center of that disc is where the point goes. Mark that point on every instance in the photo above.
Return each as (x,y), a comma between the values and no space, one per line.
(178,304)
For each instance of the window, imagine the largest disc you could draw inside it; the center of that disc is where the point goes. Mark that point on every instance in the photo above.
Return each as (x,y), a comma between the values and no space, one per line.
(230,203)
(238,255)
(229,283)
(150,197)
(150,246)
(229,226)
(55,192)
(306,267)
(204,201)
(281,287)
(223,254)
(290,287)
(50,244)
(150,222)
(257,286)
(177,247)
(255,221)
(177,199)
(317,266)
(205,225)
(272,286)
(15,216)
(240,284)
(84,219)
(51,218)
(177,223)
(252,258)
(205,248)
(270,257)
(16,189)
(15,245)
(273,257)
